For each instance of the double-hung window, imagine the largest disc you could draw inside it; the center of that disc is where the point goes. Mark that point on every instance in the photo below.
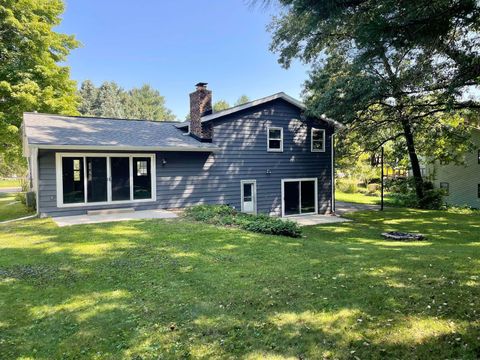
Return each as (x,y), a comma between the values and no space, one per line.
(317,138)
(275,139)
(445,186)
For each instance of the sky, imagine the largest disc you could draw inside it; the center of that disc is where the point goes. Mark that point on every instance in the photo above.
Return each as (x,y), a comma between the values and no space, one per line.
(172,45)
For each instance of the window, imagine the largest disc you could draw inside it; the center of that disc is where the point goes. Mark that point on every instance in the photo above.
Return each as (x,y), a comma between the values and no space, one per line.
(318,140)
(93,179)
(142,168)
(275,139)
(445,187)
(478,191)
(478,156)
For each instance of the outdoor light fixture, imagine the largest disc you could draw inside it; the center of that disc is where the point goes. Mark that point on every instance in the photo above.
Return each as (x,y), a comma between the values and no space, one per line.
(268,171)
(164,162)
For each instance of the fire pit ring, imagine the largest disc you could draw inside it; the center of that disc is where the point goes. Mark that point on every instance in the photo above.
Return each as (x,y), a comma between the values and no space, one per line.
(402,236)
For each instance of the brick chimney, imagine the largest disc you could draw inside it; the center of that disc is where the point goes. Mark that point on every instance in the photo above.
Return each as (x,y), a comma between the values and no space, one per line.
(200,105)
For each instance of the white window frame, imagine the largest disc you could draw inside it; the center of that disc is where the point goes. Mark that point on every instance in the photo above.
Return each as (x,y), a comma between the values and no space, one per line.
(299,195)
(84,155)
(268,138)
(254,194)
(311,140)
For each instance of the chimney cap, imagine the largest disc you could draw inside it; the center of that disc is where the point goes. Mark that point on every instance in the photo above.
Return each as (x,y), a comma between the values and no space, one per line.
(201,84)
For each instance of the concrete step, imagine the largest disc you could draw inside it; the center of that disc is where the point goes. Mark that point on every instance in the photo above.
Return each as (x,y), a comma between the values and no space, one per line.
(110,211)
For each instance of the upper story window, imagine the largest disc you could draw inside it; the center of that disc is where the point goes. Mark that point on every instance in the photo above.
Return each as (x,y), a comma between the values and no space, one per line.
(275,139)
(478,156)
(318,140)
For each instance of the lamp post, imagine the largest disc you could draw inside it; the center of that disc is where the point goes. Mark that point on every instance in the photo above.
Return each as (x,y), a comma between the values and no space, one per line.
(381,203)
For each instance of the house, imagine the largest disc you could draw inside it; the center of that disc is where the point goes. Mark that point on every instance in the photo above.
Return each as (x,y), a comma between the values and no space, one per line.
(460,182)
(265,156)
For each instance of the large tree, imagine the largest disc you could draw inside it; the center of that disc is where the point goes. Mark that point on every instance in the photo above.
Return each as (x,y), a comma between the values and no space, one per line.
(31,78)
(392,70)
(110,100)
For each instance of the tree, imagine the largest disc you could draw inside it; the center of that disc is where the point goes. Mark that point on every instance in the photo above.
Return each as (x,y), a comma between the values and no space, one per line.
(30,77)
(88,94)
(220,105)
(242,100)
(390,70)
(110,100)
(147,103)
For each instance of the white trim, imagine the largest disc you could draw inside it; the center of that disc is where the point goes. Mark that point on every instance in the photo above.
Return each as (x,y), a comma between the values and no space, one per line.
(213,148)
(311,140)
(299,195)
(254,194)
(268,138)
(59,180)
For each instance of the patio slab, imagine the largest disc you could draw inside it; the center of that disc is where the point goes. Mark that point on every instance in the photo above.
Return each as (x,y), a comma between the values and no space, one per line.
(307,220)
(101,218)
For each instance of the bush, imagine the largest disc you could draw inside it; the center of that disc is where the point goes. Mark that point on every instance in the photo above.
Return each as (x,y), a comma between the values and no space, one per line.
(348,186)
(225,215)
(373,189)
(403,194)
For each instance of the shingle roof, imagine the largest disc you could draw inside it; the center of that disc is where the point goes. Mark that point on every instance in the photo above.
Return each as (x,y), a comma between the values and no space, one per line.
(234,109)
(68,131)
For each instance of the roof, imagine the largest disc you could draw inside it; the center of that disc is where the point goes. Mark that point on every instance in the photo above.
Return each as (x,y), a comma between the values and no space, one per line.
(280,95)
(76,132)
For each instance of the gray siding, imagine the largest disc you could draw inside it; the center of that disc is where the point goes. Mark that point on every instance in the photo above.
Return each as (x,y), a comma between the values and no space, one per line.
(192,178)
(463,179)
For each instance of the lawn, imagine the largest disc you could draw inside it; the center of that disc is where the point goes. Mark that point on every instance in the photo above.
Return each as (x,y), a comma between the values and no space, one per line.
(11,208)
(178,289)
(9,183)
(361,198)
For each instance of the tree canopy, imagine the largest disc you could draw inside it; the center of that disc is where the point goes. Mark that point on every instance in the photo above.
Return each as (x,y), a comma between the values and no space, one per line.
(110,100)
(31,78)
(390,70)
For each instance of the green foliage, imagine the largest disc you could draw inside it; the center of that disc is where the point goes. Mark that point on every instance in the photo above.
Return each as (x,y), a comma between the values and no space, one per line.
(389,70)
(402,193)
(30,77)
(373,188)
(220,105)
(347,185)
(225,215)
(242,100)
(110,100)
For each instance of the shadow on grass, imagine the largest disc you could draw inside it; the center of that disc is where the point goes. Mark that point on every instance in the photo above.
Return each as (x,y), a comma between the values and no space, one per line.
(178,289)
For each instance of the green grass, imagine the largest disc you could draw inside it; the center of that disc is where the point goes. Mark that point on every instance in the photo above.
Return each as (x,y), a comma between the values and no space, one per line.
(10,208)
(179,289)
(9,183)
(360,198)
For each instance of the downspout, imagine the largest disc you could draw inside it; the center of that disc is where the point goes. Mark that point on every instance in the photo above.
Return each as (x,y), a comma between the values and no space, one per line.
(333,172)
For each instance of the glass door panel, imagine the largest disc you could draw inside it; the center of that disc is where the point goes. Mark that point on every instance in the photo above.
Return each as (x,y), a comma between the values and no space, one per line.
(248,197)
(307,197)
(73,184)
(120,174)
(292,195)
(142,178)
(96,179)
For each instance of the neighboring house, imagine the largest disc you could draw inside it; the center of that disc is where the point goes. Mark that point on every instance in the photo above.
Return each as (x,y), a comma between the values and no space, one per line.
(265,156)
(460,182)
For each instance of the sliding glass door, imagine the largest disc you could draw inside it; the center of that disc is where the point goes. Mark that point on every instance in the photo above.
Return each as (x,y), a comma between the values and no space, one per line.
(104,178)
(299,196)
(120,178)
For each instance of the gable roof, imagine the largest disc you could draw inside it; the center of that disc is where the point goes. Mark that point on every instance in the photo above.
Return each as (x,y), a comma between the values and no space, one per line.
(76,132)
(250,104)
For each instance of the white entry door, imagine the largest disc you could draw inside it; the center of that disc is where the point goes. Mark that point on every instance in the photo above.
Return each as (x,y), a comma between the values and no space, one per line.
(249,196)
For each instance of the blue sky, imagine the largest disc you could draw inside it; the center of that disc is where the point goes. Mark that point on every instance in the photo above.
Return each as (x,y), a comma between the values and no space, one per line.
(174,44)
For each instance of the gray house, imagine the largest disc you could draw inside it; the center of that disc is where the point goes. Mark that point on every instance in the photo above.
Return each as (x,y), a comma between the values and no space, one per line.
(265,156)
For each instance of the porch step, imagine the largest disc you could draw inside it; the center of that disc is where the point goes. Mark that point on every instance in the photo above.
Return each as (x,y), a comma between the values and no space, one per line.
(110,211)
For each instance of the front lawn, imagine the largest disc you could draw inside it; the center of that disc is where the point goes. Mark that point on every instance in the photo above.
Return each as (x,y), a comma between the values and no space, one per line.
(180,289)
(9,183)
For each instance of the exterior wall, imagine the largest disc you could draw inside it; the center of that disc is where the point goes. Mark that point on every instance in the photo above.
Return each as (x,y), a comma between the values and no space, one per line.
(189,178)
(463,180)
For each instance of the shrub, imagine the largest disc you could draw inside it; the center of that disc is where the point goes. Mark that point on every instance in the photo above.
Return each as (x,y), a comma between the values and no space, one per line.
(225,215)
(348,186)
(373,188)
(403,194)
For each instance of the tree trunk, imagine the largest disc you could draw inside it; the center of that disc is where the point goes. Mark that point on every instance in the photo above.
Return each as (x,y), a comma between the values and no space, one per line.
(417,173)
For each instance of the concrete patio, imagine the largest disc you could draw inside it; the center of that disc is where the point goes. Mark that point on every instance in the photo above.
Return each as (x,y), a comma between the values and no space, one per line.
(101,218)
(317,219)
